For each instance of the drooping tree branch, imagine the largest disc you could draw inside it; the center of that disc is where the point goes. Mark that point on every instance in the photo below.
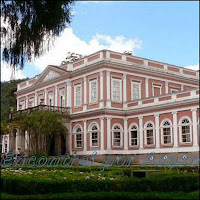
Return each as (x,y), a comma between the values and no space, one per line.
(30,26)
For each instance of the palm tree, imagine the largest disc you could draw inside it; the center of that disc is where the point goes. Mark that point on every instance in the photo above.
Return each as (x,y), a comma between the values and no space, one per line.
(42,126)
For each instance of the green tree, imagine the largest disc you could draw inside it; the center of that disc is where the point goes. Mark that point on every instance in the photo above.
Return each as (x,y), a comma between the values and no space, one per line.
(42,126)
(31,27)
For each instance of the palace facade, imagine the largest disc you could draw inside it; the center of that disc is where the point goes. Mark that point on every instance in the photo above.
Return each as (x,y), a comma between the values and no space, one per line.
(116,104)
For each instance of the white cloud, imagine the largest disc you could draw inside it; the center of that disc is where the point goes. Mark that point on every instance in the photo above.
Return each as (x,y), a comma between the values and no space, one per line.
(69,42)
(6,72)
(194,67)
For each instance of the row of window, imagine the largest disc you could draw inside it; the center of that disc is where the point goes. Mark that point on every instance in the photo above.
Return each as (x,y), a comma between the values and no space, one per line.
(117,139)
(116,93)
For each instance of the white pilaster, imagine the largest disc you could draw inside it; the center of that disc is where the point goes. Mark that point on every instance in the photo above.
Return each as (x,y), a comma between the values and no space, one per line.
(141,132)
(124,91)
(166,87)
(102,134)
(175,123)
(147,87)
(125,134)
(85,94)
(101,89)
(194,121)
(26,101)
(182,87)
(108,133)
(85,134)
(56,96)
(108,89)
(45,98)
(26,140)
(157,130)
(35,100)
(69,93)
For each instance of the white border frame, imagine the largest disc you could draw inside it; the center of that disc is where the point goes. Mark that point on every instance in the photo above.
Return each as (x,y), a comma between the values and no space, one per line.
(145,134)
(90,96)
(171,131)
(140,90)
(120,83)
(121,130)
(138,133)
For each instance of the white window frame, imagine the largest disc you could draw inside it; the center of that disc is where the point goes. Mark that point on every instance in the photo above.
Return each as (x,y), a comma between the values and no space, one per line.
(75,133)
(63,99)
(180,129)
(90,91)
(157,86)
(172,90)
(130,139)
(137,83)
(162,132)
(145,130)
(120,90)
(121,134)
(51,94)
(39,97)
(75,86)
(32,101)
(23,104)
(92,131)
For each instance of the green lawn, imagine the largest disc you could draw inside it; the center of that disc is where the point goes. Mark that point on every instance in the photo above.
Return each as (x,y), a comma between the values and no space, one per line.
(108,195)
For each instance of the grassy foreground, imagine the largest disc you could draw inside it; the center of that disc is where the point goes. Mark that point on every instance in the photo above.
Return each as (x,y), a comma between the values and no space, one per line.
(108,195)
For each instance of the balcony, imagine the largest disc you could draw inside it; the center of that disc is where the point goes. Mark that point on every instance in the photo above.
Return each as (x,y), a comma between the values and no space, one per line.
(64,111)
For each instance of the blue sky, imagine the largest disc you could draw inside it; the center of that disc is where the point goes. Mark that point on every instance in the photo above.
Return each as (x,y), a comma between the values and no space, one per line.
(164,31)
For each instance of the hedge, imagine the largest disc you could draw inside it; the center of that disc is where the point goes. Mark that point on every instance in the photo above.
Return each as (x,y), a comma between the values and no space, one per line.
(172,183)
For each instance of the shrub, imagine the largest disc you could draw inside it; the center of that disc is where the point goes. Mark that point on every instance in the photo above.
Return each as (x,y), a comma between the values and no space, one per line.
(163,183)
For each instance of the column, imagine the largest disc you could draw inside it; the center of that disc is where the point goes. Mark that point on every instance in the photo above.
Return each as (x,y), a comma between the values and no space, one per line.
(85,94)
(17,141)
(147,87)
(166,87)
(108,133)
(194,121)
(101,89)
(157,130)
(69,94)
(141,132)
(85,134)
(125,134)
(108,89)
(56,96)
(175,123)
(3,144)
(124,91)
(102,134)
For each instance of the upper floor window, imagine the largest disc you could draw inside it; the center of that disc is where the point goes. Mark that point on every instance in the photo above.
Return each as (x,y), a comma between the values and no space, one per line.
(78,95)
(94,135)
(135,90)
(22,105)
(166,132)
(40,99)
(133,135)
(51,99)
(117,90)
(93,88)
(150,134)
(78,136)
(157,90)
(117,136)
(62,97)
(31,102)
(185,130)
(173,90)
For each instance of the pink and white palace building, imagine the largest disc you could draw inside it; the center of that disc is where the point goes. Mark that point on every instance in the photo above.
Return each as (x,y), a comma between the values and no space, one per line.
(118,104)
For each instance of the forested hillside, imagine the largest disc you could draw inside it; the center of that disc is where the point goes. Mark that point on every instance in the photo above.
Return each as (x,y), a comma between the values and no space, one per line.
(8,98)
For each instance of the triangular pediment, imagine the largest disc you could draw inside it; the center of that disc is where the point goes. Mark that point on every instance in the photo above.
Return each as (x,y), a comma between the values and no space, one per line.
(50,73)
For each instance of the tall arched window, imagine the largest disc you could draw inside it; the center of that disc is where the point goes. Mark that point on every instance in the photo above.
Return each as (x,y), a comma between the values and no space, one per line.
(94,130)
(185,130)
(117,136)
(133,135)
(150,134)
(78,136)
(166,132)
